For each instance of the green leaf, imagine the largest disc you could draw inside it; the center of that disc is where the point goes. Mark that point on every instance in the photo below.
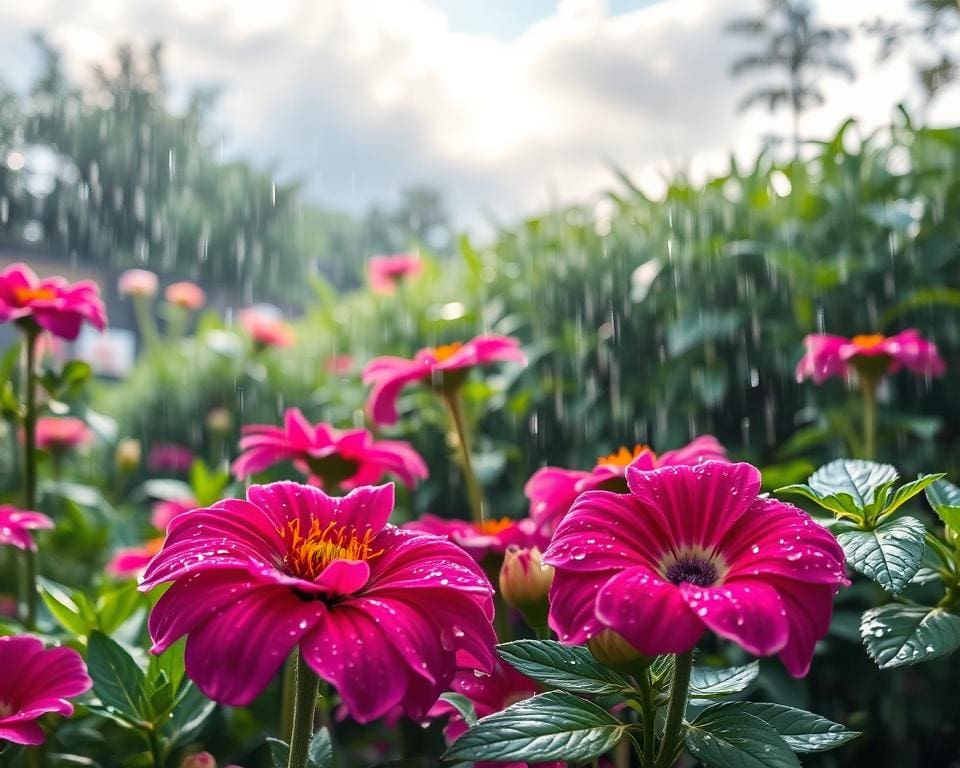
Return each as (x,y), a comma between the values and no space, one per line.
(723,737)
(189,714)
(168,664)
(855,478)
(320,754)
(463,705)
(803,731)
(898,635)
(906,492)
(279,752)
(64,608)
(838,505)
(551,726)
(117,680)
(708,683)
(207,483)
(570,668)
(890,554)
(944,497)
(116,605)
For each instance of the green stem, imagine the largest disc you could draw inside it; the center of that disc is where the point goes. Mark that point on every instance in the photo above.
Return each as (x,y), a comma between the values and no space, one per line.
(649,714)
(676,710)
(287,696)
(304,708)
(155,751)
(474,492)
(146,321)
(868,389)
(30,469)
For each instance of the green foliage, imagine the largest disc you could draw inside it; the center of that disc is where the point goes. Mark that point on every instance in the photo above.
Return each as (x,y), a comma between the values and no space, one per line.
(571,668)
(900,635)
(890,554)
(708,683)
(723,736)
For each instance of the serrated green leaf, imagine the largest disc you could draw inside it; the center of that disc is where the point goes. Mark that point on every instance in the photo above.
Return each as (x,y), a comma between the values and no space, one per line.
(117,680)
(944,497)
(707,683)
(890,554)
(802,731)
(570,668)
(901,635)
(551,726)
(463,705)
(723,737)
(855,478)
(906,492)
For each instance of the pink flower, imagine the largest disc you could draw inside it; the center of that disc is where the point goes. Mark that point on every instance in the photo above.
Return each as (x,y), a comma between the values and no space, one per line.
(339,365)
(33,682)
(379,612)
(16,524)
(443,367)
(552,490)
(491,537)
(58,434)
(137,282)
(871,354)
(170,457)
(266,330)
(693,548)
(53,303)
(185,294)
(163,511)
(130,562)
(329,457)
(488,694)
(386,272)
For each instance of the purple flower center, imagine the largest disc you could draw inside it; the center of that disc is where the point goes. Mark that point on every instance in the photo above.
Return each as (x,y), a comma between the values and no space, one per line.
(692,570)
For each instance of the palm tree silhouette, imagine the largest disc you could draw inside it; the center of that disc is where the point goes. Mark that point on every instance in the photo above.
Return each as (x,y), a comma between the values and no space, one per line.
(794,46)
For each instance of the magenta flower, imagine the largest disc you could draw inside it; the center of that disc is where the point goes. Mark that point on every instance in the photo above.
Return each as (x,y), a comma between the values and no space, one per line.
(552,490)
(16,524)
(693,548)
(328,457)
(53,303)
(488,694)
(492,537)
(137,282)
(163,511)
(387,272)
(873,354)
(186,295)
(33,682)
(339,365)
(265,330)
(442,367)
(130,562)
(379,612)
(58,434)
(170,457)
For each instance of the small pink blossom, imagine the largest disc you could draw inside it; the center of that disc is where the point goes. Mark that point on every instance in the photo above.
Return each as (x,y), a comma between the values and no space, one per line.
(691,549)
(130,562)
(266,330)
(552,490)
(137,282)
(16,524)
(381,613)
(327,456)
(491,537)
(386,272)
(163,511)
(58,434)
(53,303)
(836,356)
(186,295)
(170,457)
(33,682)
(442,367)
(340,365)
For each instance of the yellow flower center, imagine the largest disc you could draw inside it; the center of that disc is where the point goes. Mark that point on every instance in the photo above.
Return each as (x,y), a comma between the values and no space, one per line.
(446,351)
(493,527)
(25,295)
(868,340)
(625,456)
(311,551)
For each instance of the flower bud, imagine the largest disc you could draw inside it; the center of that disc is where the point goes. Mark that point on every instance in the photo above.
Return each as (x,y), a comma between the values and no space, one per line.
(128,454)
(219,421)
(612,650)
(199,760)
(525,582)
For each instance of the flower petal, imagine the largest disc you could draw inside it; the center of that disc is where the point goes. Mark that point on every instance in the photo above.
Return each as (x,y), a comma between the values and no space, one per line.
(749,612)
(573,597)
(809,608)
(27,733)
(343,577)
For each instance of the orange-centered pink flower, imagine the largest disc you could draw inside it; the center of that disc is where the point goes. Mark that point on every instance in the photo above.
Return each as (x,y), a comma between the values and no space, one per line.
(872,355)
(52,303)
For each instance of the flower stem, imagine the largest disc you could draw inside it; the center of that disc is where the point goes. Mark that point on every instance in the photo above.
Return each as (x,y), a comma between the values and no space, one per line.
(30,469)
(146,322)
(287,696)
(474,492)
(649,714)
(676,710)
(868,390)
(304,708)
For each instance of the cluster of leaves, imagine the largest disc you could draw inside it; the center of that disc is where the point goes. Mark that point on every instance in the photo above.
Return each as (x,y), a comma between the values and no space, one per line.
(895,551)
(573,721)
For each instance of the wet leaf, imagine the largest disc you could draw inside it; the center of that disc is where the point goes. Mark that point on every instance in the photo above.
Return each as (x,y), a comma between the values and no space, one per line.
(901,635)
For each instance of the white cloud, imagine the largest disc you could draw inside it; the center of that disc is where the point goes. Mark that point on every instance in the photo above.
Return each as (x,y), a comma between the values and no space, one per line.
(360,97)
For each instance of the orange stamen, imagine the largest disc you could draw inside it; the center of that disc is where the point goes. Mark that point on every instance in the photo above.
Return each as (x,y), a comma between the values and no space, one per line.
(25,295)
(625,456)
(868,340)
(309,554)
(446,351)
(493,527)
